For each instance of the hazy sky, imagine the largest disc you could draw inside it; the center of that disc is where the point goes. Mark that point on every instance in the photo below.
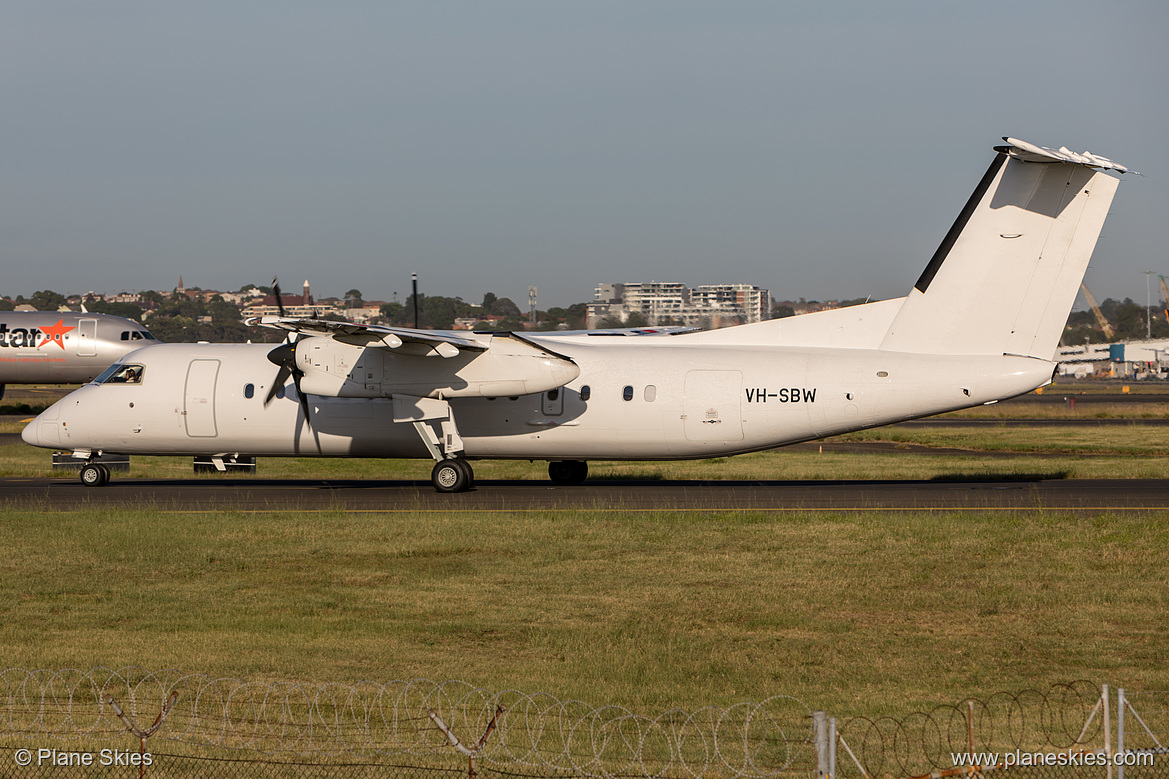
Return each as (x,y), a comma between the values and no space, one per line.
(818,149)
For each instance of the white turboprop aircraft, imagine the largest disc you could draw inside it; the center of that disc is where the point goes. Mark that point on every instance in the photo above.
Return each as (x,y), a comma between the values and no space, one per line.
(981,324)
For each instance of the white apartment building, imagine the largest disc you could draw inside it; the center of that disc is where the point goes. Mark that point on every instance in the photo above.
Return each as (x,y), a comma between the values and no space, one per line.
(661,303)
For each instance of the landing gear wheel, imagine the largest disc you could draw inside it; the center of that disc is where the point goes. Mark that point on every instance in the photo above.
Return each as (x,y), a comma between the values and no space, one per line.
(568,473)
(95,475)
(452,476)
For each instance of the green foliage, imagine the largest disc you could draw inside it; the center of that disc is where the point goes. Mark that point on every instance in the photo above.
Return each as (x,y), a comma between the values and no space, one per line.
(1129,320)
(124,310)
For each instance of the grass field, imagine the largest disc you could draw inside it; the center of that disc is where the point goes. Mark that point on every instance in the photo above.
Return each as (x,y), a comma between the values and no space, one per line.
(861,613)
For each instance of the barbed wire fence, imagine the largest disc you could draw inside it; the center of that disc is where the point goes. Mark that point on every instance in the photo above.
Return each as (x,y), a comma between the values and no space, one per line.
(199,725)
(400,721)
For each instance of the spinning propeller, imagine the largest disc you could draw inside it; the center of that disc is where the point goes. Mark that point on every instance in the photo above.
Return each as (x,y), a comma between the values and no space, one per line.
(284,357)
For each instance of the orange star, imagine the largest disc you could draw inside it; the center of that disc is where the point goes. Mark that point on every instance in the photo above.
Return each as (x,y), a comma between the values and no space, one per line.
(56,333)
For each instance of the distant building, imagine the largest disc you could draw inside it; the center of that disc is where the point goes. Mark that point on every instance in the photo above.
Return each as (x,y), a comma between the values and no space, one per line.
(1131,359)
(665,303)
(304,312)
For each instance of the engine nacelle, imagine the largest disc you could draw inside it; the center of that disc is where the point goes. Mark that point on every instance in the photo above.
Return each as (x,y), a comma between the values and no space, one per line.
(508,367)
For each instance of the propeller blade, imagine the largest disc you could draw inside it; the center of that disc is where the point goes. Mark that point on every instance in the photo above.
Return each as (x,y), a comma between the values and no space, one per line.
(303,399)
(281,377)
(276,292)
(283,356)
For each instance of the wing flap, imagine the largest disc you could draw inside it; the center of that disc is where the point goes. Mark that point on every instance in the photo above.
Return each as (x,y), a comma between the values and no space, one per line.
(443,342)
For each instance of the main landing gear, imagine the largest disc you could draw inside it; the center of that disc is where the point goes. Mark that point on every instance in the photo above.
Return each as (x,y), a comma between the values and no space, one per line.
(452,475)
(434,421)
(568,473)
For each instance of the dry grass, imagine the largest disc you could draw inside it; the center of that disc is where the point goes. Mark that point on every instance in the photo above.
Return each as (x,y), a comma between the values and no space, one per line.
(854,612)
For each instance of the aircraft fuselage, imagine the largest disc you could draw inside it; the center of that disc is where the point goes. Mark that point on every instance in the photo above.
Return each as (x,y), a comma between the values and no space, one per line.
(638,398)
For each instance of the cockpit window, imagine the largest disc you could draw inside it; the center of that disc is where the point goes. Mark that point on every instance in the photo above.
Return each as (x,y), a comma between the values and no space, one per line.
(121,374)
(137,335)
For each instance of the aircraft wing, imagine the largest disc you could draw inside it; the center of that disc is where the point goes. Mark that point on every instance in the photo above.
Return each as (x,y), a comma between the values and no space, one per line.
(621,331)
(445,343)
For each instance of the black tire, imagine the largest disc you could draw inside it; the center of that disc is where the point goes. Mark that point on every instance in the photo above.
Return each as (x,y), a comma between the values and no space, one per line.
(94,475)
(451,476)
(568,473)
(466,466)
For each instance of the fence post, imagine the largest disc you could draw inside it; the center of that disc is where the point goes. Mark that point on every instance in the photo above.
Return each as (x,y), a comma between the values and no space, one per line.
(820,742)
(1107,728)
(139,732)
(832,748)
(1120,730)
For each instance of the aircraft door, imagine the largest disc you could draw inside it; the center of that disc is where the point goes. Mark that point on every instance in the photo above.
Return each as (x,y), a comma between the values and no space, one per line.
(199,398)
(87,338)
(711,406)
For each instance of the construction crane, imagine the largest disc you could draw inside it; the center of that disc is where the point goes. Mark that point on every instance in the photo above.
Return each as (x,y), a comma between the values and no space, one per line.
(1107,328)
(1164,295)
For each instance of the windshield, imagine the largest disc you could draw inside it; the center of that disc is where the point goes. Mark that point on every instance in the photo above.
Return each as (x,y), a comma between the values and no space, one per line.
(121,374)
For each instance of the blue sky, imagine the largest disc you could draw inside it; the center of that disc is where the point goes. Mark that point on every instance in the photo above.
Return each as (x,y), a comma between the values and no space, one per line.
(818,149)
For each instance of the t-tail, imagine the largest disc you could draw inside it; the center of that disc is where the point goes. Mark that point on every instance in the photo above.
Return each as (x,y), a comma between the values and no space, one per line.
(1005,277)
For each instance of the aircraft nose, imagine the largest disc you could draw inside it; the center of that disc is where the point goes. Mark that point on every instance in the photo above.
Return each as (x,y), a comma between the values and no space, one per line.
(44,430)
(29,434)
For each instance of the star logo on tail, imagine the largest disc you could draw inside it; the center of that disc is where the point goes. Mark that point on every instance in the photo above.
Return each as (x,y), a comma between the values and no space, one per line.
(56,333)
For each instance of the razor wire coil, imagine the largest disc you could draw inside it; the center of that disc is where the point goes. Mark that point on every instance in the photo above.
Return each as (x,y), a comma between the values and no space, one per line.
(752,740)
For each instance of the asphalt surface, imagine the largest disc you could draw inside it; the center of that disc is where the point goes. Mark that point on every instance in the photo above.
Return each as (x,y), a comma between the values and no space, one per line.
(1040,491)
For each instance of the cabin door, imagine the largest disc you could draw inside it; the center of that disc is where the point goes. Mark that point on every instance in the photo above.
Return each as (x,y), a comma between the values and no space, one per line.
(87,338)
(199,398)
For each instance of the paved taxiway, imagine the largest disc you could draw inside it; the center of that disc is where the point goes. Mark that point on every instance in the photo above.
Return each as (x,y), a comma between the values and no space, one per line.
(257,494)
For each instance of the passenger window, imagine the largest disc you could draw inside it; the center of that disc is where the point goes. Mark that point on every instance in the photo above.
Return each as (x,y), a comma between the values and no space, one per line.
(627,393)
(651,393)
(249,391)
(585,392)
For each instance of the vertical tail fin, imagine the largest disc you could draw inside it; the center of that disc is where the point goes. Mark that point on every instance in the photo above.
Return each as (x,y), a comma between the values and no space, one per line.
(1005,277)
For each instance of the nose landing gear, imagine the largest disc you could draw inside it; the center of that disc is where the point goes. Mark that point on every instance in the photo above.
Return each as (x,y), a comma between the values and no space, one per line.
(95,475)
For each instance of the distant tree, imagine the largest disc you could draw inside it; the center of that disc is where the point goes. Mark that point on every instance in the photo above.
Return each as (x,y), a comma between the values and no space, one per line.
(505,307)
(353,299)
(394,314)
(6,304)
(577,314)
(47,300)
(124,310)
(489,302)
(636,319)
(781,312)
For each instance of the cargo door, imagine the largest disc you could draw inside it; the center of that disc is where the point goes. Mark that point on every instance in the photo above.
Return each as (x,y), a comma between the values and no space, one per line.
(711,406)
(199,398)
(87,338)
